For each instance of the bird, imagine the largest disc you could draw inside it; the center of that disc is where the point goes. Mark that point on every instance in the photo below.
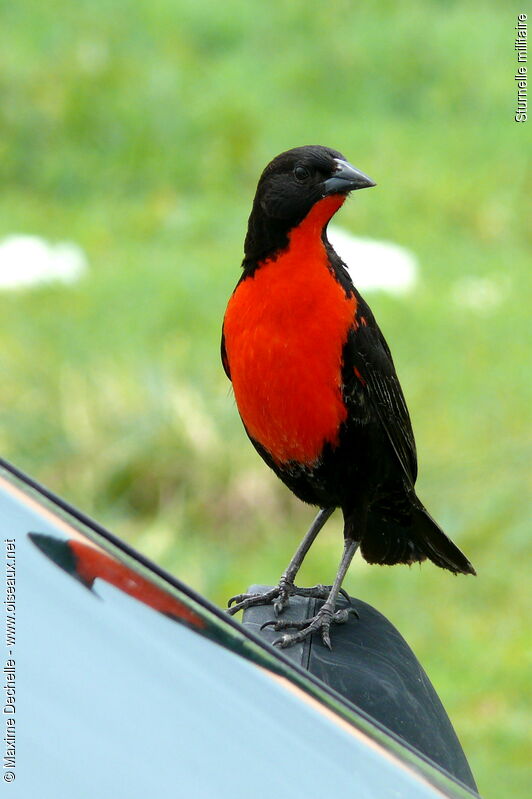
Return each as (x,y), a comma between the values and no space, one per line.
(316,387)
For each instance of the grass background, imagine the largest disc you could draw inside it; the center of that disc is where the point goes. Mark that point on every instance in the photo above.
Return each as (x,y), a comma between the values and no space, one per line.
(138,129)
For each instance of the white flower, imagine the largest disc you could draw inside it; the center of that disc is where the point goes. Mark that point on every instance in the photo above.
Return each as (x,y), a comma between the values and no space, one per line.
(375,265)
(27,261)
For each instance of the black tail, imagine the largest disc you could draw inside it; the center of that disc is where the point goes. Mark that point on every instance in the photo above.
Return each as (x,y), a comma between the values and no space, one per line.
(410,538)
(431,539)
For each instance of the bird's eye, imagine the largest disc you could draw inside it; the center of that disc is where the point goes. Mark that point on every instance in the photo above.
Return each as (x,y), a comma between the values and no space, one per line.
(301,173)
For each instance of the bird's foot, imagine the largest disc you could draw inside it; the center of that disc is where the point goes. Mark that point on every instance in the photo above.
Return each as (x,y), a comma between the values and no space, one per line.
(279,596)
(243,601)
(319,592)
(321,623)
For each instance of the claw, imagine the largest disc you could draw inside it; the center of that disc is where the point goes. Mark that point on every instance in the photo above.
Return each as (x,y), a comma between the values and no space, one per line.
(235,598)
(320,592)
(244,601)
(289,640)
(280,594)
(345,595)
(279,624)
(279,597)
(341,616)
(321,623)
(284,641)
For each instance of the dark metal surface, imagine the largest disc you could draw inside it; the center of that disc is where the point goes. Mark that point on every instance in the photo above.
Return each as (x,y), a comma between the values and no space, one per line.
(373,667)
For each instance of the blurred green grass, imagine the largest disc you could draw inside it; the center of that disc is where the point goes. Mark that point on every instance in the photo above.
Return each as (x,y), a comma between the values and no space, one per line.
(138,130)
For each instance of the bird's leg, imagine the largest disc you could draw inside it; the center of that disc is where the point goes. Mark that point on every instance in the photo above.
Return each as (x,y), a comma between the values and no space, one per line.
(286,588)
(286,583)
(326,615)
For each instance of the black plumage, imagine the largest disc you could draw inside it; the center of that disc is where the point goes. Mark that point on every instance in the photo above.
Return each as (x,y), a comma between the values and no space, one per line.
(370,468)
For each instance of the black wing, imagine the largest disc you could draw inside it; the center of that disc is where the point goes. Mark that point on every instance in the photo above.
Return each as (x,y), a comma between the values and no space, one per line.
(225,361)
(367,360)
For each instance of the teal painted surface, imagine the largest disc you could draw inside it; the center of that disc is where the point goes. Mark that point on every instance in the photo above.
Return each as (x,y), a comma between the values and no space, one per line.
(116,699)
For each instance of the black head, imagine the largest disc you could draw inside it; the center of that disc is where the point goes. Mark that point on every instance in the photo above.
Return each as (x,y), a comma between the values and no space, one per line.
(289,187)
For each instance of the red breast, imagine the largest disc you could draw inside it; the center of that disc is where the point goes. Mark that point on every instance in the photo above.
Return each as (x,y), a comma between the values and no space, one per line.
(285,327)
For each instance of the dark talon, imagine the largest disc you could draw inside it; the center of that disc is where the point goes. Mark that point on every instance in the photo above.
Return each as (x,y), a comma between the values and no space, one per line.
(341,616)
(287,625)
(244,601)
(345,595)
(321,623)
(232,611)
(279,598)
(283,641)
(238,598)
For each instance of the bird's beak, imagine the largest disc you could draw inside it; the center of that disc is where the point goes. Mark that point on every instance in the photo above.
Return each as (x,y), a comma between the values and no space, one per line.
(346,178)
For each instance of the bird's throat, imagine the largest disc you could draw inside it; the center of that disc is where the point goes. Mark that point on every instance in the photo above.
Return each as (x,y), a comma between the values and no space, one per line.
(310,229)
(285,327)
